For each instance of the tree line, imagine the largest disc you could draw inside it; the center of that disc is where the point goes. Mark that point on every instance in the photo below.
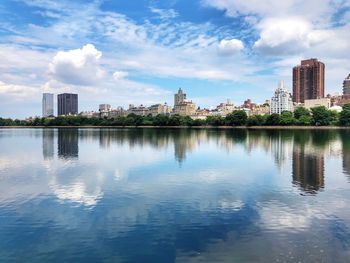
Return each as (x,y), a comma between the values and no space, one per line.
(318,116)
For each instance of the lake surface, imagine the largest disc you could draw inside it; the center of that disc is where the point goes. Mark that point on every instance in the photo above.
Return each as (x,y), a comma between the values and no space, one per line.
(153,195)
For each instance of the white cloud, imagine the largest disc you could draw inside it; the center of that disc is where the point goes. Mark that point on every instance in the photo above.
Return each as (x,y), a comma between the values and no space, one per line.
(17,91)
(77,66)
(313,10)
(285,35)
(119,75)
(230,46)
(164,13)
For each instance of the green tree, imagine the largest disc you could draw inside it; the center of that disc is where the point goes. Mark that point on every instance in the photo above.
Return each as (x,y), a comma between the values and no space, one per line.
(237,118)
(256,120)
(304,120)
(215,120)
(334,117)
(161,120)
(187,121)
(198,122)
(344,116)
(287,118)
(321,116)
(175,120)
(302,116)
(301,111)
(273,119)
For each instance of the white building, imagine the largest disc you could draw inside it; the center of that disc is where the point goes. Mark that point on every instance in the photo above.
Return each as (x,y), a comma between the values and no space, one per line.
(282,100)
(47,104)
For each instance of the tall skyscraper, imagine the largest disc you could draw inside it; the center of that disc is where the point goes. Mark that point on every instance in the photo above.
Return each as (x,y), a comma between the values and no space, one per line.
(67,104)
(346,86)
(47,104)
(308,80)
(282,100)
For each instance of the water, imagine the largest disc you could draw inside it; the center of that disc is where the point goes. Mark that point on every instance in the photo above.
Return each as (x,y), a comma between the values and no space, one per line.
(112,195)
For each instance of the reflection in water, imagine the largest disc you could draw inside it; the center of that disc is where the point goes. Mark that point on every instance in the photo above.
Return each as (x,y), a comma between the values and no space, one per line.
(67,142)
(308,170)
(127,199)
(345,137)
(305,148)
(48,143)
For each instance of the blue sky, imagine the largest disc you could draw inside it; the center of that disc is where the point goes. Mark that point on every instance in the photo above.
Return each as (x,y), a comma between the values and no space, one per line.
(139,51)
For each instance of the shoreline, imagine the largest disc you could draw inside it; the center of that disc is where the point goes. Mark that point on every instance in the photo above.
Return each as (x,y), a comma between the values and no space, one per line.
(185,127)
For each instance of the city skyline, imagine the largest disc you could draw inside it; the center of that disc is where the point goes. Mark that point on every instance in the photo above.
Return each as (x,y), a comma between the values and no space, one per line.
(142,52)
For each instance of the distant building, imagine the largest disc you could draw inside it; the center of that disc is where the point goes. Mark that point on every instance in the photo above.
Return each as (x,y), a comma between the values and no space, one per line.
(281,101)
(182,106)
(201,114)
(308,80)
(104,107)
(336,108)
(157,109)
(104,110)
(179,98)
(90,114)
(248,104)
(224,108)
(261,109)
(47,104)
(346,86)
(67,104)
(118,112)
(140,110)
(309,104)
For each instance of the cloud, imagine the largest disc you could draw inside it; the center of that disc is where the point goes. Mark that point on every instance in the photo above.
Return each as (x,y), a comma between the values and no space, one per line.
(313,10)
(17,91)
(164,13)
(77,66)
(119,75)
(286,35)
(230,46)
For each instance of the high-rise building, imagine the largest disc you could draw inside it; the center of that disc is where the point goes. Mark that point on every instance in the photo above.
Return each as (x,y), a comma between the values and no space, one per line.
(47,104)
(67,104)
(179,98)
(308,80)
(281,101)
(182,106)
(346,86)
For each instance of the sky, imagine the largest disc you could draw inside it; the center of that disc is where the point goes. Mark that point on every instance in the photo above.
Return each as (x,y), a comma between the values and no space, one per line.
(140,52)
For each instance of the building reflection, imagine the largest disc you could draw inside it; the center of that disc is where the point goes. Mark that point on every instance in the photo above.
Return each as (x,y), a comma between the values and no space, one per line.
(344,136)
(67,141)
(185,141)
(48,136)
(308,169)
